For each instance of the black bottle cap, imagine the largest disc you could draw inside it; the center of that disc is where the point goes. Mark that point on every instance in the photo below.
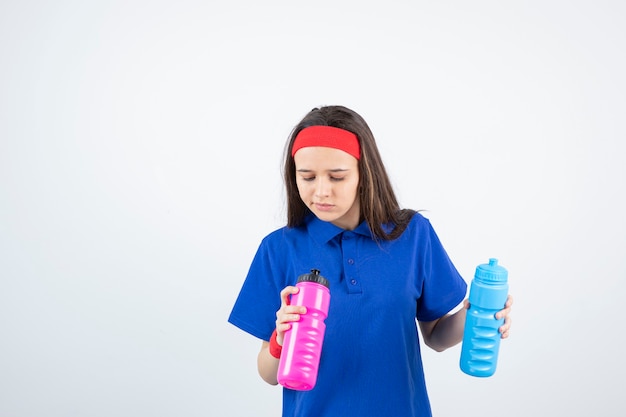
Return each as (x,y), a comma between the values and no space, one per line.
(314,276)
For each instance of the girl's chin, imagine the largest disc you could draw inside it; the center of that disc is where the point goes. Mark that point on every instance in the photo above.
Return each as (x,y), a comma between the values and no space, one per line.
(338,221)
(324,215)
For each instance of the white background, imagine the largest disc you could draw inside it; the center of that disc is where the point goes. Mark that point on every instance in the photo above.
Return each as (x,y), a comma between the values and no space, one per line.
(140,155)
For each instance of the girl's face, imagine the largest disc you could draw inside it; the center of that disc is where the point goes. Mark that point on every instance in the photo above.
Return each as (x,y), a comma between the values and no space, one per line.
(328,180)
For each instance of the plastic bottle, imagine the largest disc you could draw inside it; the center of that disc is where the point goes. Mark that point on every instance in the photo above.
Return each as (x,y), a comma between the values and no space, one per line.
(481,338)
(302,344)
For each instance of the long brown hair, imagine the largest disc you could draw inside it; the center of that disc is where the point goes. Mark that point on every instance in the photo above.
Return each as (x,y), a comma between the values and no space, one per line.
(378,202)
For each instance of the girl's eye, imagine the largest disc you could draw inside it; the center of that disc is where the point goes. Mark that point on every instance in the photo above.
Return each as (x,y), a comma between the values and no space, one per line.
(334,179)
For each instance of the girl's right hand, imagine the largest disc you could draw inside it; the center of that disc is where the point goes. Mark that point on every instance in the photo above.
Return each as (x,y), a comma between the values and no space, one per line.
(287,313)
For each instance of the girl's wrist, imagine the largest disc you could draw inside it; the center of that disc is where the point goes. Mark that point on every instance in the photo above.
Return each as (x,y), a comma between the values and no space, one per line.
(275,348)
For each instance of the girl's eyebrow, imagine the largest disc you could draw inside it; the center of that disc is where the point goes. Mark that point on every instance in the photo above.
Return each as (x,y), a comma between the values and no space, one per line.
(330,170)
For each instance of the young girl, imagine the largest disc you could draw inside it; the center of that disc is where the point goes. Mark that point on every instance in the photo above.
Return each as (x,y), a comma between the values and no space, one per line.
(386,268)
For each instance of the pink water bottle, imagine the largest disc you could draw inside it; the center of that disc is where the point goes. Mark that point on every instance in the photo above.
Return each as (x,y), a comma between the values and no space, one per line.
(302,344)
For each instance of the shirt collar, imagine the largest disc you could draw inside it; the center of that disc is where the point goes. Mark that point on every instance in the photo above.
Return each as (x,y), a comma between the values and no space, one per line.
(323,231)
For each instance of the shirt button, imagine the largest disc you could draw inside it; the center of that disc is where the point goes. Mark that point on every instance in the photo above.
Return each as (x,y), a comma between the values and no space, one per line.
(351,261)
(353,281)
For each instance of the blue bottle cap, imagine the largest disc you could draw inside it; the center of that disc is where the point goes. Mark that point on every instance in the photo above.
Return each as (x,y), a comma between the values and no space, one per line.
(491,272)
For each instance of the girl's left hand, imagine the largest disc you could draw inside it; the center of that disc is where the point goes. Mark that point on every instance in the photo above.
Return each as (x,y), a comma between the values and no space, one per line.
(505,313)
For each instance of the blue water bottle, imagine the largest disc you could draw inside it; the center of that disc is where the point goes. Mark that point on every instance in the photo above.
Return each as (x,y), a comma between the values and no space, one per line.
(481,338)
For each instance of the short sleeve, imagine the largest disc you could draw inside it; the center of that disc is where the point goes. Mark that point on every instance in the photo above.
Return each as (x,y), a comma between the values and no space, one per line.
(443,288)
(255,308)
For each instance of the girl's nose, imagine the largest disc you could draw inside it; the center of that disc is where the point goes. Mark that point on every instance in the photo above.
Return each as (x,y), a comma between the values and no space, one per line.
(322,188)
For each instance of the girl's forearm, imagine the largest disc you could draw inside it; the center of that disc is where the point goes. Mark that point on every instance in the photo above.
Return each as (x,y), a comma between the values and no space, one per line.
(267,365)
(446,332)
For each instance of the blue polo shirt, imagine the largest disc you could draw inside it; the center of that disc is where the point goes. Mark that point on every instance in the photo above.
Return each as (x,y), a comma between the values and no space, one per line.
(371,363)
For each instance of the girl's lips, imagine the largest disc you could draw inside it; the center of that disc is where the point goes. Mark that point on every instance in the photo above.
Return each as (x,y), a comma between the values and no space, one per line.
(323,207)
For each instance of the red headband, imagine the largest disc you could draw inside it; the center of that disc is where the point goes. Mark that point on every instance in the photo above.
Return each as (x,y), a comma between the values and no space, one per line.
(327,136)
